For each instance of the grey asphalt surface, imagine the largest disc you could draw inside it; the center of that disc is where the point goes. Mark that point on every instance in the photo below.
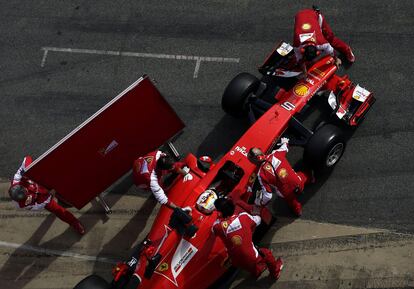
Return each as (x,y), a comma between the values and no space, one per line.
(373,184)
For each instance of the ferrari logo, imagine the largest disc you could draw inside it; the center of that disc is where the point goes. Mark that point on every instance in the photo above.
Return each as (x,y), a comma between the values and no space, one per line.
(282,173)
(236,240)
(306,26)
(300,89)
(163,267)
(149,159)
(268,167)
(225,224)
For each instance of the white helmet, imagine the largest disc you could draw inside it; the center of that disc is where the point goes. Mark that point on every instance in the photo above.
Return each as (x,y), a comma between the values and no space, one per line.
(205,202)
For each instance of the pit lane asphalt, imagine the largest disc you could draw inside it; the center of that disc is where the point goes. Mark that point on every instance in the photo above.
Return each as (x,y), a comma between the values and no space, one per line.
(372,186)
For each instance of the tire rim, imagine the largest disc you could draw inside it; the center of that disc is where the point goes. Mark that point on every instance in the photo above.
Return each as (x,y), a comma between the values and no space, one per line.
(335,154)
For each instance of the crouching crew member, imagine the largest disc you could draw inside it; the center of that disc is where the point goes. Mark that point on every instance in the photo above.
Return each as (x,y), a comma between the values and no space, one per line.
(313,37)
(149,170)
(31,196)
(236,232)
(276,176)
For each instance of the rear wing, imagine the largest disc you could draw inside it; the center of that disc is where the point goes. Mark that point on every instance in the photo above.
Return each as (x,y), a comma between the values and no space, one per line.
(102,149)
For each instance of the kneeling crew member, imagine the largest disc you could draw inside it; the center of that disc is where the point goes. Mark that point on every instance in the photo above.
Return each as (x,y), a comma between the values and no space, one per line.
(276,175)
(236,231)
(149,170)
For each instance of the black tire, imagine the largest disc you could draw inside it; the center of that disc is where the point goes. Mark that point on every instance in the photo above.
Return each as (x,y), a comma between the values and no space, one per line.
(235,95)
(92,282)
(325,148)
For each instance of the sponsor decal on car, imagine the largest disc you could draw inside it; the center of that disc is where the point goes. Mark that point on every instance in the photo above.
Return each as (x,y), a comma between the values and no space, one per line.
(301,89)
(182,256)
(241,150)
(360,93)
(163,267)
(180,259)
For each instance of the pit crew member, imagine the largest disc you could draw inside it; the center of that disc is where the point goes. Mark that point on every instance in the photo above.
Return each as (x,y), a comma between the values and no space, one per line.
(31,196)
(148,172)
(276,176)
(236,232)
(313,37)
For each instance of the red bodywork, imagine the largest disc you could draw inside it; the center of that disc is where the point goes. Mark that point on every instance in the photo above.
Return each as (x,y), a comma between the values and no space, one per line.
(199,261)
(103,148)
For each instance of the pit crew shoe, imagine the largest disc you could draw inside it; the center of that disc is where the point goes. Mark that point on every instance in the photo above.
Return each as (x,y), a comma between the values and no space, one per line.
(279,266)
(79,228)
(296,208)
(350,56)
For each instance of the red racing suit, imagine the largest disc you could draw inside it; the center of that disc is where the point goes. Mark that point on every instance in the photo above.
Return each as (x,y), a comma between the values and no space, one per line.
(147,176)
(39,197)
(236,232)
(276,175)
(311,26)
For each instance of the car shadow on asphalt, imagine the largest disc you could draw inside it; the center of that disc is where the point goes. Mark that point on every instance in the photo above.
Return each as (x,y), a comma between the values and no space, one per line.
(222,137)
(120,246)
(17,273)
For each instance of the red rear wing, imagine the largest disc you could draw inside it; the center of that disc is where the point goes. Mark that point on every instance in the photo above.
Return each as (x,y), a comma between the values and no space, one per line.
(102,149)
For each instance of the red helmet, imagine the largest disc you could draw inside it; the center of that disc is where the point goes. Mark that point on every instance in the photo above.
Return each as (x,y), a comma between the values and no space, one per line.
(205,159)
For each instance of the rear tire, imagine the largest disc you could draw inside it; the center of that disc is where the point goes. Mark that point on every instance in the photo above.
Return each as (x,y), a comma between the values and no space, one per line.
(234,100)
(92,282)
(325,148)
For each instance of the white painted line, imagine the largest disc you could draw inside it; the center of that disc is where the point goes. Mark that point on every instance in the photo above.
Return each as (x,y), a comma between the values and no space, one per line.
(42,64)
(198,59)
(197,68)
(56,252)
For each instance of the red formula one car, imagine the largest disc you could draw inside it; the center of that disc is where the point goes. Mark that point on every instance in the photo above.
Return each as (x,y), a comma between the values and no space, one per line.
(180,250)
(287,97)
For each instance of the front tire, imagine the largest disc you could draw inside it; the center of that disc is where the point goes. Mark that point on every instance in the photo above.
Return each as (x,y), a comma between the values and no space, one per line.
(92,282)
(234,100)
(325,148)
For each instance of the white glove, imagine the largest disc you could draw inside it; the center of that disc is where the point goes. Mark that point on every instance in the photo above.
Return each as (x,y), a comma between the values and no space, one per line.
(187,177)
(338,62)
(187,209)
(186,169)
(284,140)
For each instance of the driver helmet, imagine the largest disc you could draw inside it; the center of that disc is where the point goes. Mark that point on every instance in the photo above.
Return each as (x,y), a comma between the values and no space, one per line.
(18,193)
(205,202)
(255,155)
